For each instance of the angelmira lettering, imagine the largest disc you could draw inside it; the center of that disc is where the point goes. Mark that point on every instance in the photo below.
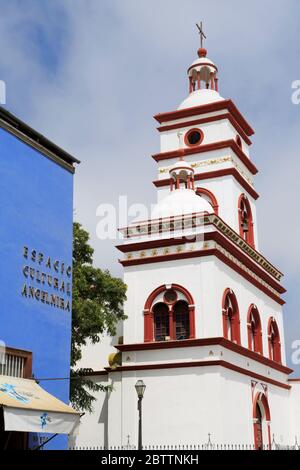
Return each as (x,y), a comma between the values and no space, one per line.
(47,280)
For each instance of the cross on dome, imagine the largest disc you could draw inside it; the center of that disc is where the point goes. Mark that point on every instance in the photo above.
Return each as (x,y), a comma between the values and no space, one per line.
(201,34)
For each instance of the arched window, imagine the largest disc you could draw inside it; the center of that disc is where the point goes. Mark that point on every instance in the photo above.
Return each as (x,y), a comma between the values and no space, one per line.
(254,330)
(261,421)
(274,341)
(161,322)
(210,197)
(245,220)
(169,314)
(231,317)
(181,320)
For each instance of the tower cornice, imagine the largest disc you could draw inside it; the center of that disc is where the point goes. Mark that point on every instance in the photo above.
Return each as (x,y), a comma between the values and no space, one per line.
(198,342)
(207,108)
(169,225)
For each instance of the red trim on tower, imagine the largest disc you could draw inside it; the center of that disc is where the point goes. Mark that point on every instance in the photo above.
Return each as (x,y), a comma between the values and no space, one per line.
(207,108)
(239,141)
(216,174)
(219,117)
(212,198)
(206,342)
(180,365)
(222,144)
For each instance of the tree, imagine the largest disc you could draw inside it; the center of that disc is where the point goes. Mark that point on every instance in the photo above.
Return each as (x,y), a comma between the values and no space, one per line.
(97,308)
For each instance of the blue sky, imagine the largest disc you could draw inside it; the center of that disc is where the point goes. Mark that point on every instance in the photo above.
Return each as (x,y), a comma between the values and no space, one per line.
(90,74)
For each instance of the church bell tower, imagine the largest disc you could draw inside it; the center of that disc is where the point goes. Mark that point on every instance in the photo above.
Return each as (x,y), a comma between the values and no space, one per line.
(204,306)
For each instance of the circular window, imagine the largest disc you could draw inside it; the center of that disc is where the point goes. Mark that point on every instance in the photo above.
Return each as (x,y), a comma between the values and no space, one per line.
(193,137)
(170,296)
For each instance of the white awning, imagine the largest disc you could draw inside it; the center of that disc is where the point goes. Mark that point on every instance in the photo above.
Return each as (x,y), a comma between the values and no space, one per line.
(27,407)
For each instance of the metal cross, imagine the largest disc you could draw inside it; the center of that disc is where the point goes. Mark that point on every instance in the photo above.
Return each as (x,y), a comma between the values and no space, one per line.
(201,33)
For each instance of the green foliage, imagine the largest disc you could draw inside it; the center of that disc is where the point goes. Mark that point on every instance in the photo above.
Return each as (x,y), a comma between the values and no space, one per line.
(97,308)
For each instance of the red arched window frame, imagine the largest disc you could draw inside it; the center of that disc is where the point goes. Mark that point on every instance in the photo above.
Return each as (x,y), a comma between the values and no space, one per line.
(210,197)
(261,401)
(245,220)
(254,330)
(149,316)
(231,317)
(274,341)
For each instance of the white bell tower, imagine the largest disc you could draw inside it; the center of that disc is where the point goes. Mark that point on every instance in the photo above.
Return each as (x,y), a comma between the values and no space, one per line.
(204,305)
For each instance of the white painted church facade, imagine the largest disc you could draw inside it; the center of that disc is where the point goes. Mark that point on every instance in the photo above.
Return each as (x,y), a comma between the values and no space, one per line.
(204,306)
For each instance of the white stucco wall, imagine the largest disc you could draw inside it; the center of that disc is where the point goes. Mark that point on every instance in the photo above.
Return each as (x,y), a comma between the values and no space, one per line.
(182,406)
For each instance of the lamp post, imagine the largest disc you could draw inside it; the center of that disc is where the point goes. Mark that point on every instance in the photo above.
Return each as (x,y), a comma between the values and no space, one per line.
(140,390)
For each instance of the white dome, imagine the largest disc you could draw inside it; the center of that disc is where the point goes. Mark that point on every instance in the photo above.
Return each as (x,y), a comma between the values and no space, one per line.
(180,202)
(203,61)
(181,164)
(199,97)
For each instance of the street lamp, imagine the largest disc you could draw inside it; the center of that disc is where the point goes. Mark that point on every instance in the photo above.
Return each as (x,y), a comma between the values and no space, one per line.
(140,390)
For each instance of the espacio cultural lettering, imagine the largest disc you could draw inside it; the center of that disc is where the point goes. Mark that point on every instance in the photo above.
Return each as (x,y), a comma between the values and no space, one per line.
(49,274)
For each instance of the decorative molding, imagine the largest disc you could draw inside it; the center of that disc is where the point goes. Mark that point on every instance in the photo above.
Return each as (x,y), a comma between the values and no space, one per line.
(215,341)
(207,108)
(211,363)
(171,224)
(222,144)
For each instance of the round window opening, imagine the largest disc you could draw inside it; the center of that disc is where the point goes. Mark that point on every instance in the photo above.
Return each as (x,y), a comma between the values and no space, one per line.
(170,296)
(193,137)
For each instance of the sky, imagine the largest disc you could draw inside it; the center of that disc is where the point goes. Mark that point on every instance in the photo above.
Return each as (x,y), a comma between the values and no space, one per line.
(90,75)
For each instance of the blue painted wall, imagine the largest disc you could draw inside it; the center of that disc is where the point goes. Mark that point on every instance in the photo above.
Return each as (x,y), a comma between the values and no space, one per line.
(36,211)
